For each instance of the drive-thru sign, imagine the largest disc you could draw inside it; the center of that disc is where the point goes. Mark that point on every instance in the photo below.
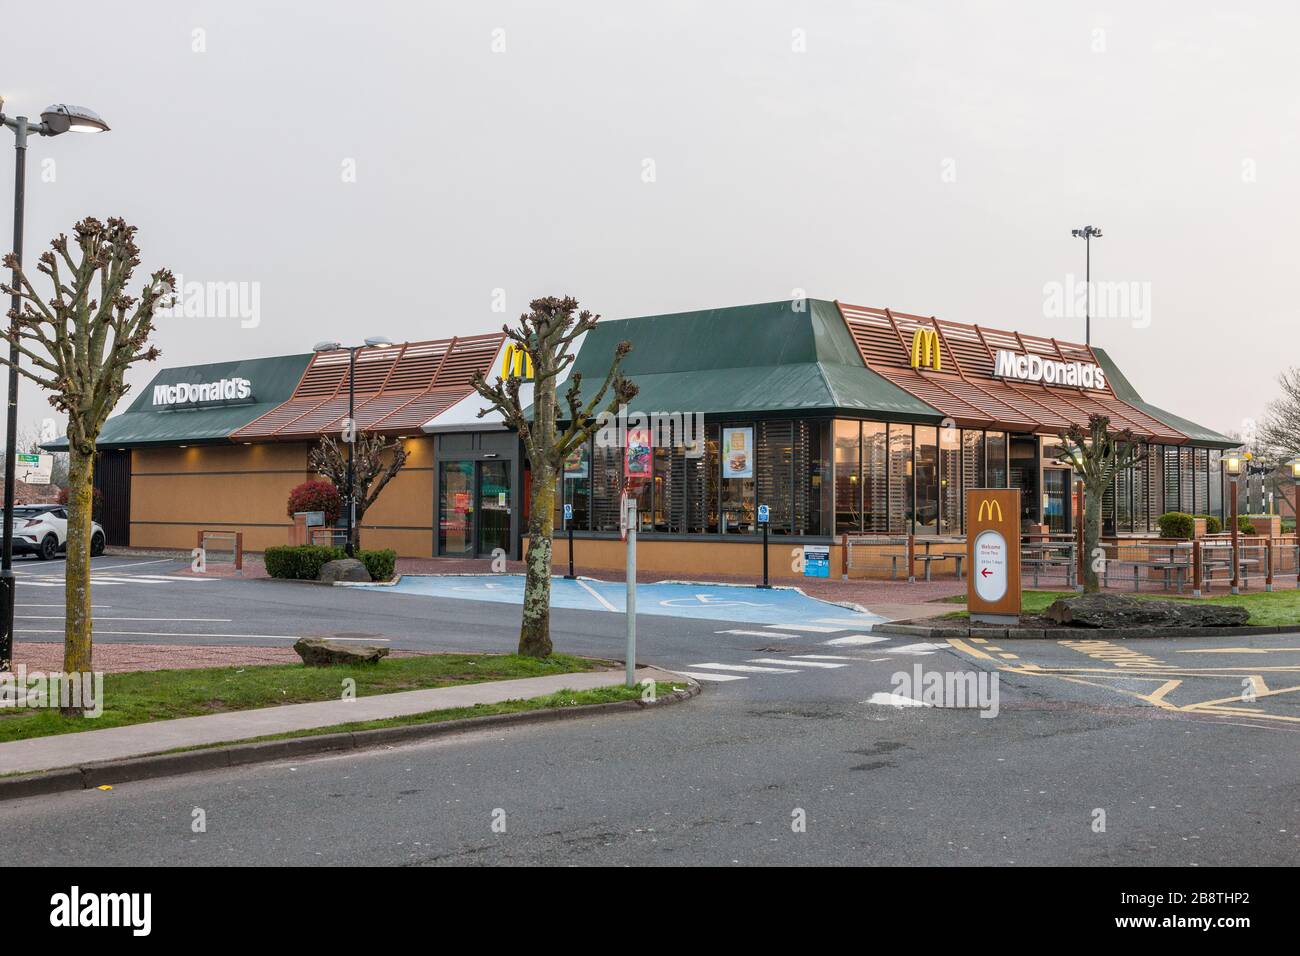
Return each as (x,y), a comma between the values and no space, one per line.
(993,555)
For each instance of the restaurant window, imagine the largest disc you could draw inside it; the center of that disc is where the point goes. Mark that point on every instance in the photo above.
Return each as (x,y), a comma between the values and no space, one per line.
(781,453)
(972,461)
(926,466)
(820,516)
(1201,462)
(606,486)
(1155,486)
(875,477)
(900,479)
(1141,487)
(1186,481)
(950,496)
(667,491)
(848,476)
(1124,500)
(737,460)
(996,450)
(1169,459)
(1216,483)
(712,443)
(576,487)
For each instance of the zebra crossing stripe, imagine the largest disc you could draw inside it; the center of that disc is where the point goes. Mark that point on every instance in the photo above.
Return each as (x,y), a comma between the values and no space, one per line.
(748,668)
(748,633)
(824,657)
(843,621)
(854,639)
(697,675)
(810,628)
(919,649)
(803,663)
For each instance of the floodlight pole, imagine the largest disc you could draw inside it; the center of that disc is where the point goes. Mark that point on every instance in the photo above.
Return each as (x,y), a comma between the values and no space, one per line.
(352,442)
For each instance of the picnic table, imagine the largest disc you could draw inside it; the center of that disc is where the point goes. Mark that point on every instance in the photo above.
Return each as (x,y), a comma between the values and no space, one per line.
(1037,555)
(1172,561)
(927,558)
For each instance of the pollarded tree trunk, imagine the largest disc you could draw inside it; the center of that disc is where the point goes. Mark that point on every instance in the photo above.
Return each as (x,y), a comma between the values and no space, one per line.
(77,623)
(1091,535)
(535,631)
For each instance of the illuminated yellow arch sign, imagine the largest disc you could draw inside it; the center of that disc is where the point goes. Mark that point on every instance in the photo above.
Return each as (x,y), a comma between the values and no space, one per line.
(516,363)
(925,350)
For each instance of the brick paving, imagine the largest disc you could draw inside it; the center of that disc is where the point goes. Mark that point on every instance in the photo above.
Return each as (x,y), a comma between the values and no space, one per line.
(117,658)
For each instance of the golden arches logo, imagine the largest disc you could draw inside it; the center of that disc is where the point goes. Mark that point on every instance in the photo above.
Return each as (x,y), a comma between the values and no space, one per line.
(516,363)
(989,508)
(925,350)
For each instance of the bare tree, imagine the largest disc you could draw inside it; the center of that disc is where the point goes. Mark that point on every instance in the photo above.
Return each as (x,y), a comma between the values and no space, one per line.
(1098,454)
(78,343)
(1279,432)
(545,335)
(376,461)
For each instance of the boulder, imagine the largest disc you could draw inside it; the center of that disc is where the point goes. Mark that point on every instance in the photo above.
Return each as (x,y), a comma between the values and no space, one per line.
(322,652)
(1117,610)
(344,569)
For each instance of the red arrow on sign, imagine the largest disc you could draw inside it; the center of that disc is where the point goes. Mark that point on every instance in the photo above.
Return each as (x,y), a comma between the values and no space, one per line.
(985,573)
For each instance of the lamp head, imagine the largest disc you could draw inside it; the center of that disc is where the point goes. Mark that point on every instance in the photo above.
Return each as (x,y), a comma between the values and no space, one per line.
(64,117)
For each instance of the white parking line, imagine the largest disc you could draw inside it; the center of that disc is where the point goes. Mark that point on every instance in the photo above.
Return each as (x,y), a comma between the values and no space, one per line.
(269,637)
(919,649)
(749,633)
(855,639)
(810,628)
(597,595)
(174,620)
(694,675)
(844,621)
(747,668)
(802,663)
(824,657)
(894,700)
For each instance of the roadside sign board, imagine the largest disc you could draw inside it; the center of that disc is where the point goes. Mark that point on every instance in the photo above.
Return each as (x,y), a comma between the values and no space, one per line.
(993,555)
(763,513)
(816,560)
(568,511)
(34,469)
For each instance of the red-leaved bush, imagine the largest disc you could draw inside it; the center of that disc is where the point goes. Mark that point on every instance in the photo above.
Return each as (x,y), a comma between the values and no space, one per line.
(316,496)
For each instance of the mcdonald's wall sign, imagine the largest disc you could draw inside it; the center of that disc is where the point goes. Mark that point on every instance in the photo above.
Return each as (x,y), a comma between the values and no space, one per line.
(925,350)
(993,555)
(516,363)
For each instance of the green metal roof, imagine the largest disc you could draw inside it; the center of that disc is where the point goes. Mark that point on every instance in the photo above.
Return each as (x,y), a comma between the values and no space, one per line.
(1199,434)
(273,381)
(763,358)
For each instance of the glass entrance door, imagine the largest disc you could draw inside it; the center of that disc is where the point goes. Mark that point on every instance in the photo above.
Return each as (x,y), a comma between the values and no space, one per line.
(494,504)
(1056,500)
(456,524)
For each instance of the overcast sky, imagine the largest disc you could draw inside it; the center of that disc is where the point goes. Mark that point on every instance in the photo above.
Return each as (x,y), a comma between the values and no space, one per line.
(384,168)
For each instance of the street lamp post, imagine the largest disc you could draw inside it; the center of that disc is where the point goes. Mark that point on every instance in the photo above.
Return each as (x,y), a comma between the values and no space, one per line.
(55,119)
(1087,234)
(350,431)
(1232,465)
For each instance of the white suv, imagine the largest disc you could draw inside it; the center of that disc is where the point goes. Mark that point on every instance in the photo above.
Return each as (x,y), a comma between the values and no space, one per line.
(42,530)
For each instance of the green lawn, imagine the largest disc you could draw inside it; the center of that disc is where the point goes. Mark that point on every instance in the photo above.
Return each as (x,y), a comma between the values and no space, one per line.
(1270,609)
(561,698)
(141,696)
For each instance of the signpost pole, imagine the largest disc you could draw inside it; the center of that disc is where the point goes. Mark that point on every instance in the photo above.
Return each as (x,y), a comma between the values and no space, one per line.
(763,519)
(568,527)
(629,516)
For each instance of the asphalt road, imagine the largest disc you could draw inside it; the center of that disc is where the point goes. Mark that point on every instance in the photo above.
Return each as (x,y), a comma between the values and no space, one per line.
(1179,752)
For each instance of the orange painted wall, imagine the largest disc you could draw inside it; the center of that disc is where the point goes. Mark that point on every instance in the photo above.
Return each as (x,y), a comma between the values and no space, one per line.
(177,491)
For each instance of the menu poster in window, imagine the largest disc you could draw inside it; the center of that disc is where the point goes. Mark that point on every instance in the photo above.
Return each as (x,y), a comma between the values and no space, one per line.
(738,453)
(575,465)
(636,463)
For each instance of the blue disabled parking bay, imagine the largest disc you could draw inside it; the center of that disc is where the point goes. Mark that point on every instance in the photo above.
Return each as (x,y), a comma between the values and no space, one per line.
(783,606)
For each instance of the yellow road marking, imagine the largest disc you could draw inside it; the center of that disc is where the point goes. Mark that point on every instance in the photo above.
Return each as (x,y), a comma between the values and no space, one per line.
(1010,657)
(1239,650)
(972,651)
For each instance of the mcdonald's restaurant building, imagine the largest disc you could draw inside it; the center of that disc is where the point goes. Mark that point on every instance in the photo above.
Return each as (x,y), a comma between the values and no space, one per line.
(840,418)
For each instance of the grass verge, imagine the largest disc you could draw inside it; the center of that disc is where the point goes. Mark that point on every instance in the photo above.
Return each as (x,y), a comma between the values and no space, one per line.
(1267,608)
(561,698)
(142,696)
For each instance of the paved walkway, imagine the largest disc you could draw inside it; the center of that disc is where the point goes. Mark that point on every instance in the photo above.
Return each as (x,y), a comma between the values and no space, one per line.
(138,740)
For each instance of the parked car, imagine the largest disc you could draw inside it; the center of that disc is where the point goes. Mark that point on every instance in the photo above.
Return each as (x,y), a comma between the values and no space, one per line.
(42,530)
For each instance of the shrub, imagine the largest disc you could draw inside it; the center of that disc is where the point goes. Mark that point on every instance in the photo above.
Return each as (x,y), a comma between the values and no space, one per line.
(380,564)
(1176,524)
(1212,524)
(299,562)
(1244,525)
(316,496)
